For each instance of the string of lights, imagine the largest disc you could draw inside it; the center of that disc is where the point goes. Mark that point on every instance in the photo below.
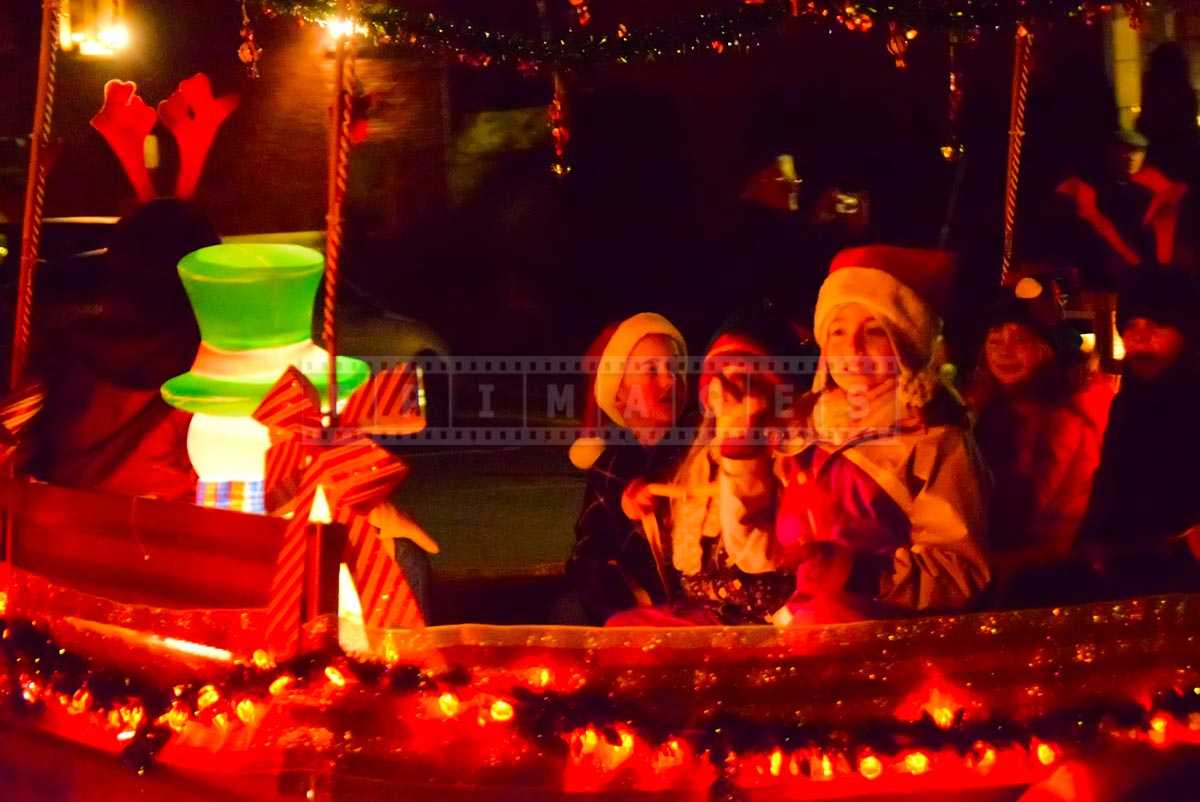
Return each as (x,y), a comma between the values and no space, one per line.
(548,719)
(738,29)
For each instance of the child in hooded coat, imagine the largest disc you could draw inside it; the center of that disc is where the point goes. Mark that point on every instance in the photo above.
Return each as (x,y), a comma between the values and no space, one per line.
(882,510)
(1037,427)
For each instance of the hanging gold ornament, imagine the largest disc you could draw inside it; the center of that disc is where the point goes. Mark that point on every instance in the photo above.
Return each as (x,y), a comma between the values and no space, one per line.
(560,133)
(952,151)
(248,51)
(898,40)
(581,11)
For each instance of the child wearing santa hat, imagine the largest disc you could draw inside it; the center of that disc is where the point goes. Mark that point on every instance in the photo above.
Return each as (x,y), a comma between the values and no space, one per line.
(882,509)
(722,548)
(638,387)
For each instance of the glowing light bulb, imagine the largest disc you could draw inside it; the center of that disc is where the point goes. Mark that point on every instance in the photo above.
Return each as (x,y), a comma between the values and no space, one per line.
(245,710)
(501,711)
(80,701)
(1158,729)
(177,717)
(917,763)
(448,703)
(987,757)
(776,763)
(207,697)
(280,684)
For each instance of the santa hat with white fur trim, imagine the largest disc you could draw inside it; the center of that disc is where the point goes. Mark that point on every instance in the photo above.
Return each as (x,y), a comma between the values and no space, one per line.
(905,288)
(606,362)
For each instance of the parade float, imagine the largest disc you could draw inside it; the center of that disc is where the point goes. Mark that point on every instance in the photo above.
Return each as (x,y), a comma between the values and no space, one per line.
(199,647)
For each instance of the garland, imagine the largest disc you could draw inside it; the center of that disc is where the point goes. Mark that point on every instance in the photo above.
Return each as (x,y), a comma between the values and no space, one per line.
(598,734)
(736,30)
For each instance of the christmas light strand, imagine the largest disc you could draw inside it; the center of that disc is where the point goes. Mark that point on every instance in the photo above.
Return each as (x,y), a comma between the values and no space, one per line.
(739,29)
(605,734)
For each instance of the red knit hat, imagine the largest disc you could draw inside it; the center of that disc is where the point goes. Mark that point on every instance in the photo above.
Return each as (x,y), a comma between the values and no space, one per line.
(753,338)
(605,363)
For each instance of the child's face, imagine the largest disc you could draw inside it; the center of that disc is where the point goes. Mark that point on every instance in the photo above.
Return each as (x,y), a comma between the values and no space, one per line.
(653,389)
(1015,353)
(1150,348)
(858,350)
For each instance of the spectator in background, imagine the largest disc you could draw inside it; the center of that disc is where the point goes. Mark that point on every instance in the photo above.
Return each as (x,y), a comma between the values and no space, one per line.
(1037,427)
(1146,495)
(1168,115)
(1100,219)
(105,424)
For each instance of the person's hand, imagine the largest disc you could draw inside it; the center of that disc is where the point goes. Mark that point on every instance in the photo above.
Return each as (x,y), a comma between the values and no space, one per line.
(393,524)
(824,567)
(637,501)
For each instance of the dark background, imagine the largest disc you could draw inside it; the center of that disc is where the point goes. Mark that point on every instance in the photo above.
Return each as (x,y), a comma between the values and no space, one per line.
(501,256)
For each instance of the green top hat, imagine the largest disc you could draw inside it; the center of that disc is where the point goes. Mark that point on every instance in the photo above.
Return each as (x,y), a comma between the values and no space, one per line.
(254,305)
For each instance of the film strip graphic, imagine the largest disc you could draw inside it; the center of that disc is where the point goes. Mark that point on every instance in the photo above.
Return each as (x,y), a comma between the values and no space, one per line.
(544,400)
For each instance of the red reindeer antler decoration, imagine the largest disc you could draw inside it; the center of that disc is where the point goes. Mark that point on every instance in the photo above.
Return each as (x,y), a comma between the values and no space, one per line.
(192,114)
(125,121)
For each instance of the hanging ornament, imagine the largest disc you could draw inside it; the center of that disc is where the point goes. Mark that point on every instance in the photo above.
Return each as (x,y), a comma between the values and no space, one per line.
(952,151)
(854,20)
(581,10)
(559,132)
(361,103)
(248,51)
(898,39)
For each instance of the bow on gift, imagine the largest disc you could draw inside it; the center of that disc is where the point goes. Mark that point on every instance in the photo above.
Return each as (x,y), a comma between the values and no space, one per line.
(355,475)
(16,410)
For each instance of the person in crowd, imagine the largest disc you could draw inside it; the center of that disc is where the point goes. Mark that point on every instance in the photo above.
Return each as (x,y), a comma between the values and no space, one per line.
(1100,219)
(1039,422)
(1169,113)
(1145,501)
(105,424)
(882,510)
(640,388)
(722,548)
